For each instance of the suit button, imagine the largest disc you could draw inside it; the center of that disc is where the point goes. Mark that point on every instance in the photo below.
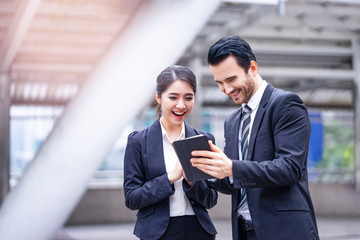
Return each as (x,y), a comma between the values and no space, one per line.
(192,202)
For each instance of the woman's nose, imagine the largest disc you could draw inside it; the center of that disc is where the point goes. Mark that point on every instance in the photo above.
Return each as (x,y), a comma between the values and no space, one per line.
(180,104)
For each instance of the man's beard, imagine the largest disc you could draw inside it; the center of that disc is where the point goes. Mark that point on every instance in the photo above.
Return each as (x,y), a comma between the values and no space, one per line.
(247,92)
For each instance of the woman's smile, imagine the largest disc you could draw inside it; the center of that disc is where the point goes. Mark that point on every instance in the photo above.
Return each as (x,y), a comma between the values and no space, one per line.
(179,115)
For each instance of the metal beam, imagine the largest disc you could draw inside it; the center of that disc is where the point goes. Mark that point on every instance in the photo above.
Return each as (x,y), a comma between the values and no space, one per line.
(312,22)
(327,76)
(268,2)
(302,50)
(64,68)
(118,88)
(5,135)
(296,34)
(8,49)
(356,62)
(239,16)
(309,73)
(317,8)
(16,32)
(339,1)
(47,77)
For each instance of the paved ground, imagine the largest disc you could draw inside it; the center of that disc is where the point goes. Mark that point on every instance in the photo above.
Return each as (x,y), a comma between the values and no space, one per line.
(329,229)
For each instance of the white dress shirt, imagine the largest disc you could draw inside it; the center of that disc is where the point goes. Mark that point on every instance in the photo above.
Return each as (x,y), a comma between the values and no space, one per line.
(179,203)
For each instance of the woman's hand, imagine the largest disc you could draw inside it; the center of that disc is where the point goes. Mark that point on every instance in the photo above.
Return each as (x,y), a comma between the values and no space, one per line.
(176,173)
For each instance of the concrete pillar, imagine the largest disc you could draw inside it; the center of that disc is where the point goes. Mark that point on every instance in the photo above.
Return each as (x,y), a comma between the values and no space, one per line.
(356,65)
(122,83)
(5,135)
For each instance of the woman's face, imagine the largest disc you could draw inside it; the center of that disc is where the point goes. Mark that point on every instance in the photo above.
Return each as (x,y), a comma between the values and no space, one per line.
(176,103)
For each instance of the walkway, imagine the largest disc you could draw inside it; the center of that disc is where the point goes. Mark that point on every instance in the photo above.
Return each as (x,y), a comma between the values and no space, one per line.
(329,229)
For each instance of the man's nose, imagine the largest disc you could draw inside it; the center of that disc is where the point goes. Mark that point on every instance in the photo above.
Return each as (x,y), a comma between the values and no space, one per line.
(228,89)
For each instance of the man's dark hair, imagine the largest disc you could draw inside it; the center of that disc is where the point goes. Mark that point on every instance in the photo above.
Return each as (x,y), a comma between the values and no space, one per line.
(231,46)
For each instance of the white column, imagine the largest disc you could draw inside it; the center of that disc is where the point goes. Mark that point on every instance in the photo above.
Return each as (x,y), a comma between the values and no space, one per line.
(120,85)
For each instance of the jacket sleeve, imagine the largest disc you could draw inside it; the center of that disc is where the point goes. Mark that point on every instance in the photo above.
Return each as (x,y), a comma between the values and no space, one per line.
(201,193)
(139,192)
(222,185)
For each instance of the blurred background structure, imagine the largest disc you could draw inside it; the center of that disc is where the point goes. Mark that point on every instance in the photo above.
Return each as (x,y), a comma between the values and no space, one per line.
(72,67)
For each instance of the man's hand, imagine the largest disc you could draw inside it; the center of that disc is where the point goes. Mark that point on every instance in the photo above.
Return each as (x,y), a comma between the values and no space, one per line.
(214,163)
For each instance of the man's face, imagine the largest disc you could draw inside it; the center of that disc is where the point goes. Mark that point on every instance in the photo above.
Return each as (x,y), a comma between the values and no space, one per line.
(233,81)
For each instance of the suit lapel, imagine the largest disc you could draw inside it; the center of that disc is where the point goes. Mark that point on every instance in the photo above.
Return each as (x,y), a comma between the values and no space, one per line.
(189,131)
(155,150)
(234,133)
(258,118)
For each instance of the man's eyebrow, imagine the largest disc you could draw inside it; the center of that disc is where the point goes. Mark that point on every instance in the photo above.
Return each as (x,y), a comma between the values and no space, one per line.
(226,79)
(230,78)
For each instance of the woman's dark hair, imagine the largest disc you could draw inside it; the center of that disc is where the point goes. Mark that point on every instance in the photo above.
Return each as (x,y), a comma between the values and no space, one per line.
(231,46)
(170,75)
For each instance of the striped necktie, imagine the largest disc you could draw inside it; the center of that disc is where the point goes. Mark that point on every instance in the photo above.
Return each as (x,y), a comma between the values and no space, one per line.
(245,119)
(245,131)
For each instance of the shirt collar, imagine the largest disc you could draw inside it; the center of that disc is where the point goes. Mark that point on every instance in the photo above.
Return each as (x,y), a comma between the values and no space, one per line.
(164,134)
(255,100)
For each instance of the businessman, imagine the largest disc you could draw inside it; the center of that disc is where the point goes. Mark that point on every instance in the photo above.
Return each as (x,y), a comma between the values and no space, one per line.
(264,163)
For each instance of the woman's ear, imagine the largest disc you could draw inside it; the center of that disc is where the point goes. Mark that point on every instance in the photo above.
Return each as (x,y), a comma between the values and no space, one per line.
(157,97)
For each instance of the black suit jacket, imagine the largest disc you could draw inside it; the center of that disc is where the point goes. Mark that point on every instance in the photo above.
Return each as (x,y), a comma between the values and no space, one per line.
(147,188)
(275,175)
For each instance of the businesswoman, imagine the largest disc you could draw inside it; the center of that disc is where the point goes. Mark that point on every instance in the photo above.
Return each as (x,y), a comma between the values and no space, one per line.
(169,207)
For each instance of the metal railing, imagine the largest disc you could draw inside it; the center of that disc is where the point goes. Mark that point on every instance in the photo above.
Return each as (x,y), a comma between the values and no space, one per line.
(331,175)
(103,179)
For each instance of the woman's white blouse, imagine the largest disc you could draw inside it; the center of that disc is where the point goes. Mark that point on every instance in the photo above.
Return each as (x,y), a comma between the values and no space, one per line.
(179,203)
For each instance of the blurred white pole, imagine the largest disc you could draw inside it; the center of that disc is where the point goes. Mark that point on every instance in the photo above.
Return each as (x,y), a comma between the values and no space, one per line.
(119,87)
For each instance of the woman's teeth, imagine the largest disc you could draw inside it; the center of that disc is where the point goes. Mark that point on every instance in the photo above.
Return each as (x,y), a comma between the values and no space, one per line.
(179,114)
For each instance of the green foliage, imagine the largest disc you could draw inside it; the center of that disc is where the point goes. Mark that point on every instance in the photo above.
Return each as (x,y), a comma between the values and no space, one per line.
(338,145)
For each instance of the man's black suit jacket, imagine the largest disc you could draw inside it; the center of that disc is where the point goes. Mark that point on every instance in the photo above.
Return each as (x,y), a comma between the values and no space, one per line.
(275,173)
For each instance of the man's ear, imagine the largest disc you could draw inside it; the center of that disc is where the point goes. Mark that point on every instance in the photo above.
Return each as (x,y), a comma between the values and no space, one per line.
(157,97)
(253,68)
